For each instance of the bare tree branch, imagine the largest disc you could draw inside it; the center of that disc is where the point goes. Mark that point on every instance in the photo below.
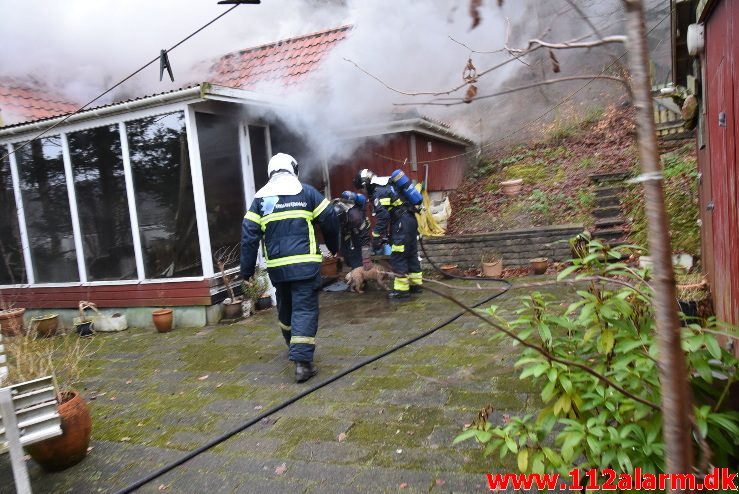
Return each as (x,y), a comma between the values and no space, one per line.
(460,100)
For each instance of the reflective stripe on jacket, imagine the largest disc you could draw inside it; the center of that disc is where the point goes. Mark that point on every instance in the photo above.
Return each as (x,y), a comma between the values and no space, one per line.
(287,227)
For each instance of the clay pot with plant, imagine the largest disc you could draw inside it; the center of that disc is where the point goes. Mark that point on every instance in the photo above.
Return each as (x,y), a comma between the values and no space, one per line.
(693,297)
(63,358)
(226,258)
(492,265)
(253,290)
(83,324)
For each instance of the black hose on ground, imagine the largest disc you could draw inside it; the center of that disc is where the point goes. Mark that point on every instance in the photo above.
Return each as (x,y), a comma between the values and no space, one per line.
(223,437)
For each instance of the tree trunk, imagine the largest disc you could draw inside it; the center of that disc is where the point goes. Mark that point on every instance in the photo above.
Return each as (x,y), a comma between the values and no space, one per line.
(676,401)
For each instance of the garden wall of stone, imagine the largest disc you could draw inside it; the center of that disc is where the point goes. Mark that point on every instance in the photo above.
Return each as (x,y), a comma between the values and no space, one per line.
(516,246)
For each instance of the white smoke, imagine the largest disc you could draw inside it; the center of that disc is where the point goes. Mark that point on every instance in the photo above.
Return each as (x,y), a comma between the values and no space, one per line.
(82,47)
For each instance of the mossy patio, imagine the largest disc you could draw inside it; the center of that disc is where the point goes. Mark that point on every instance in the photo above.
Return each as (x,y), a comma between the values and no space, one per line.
(387,427)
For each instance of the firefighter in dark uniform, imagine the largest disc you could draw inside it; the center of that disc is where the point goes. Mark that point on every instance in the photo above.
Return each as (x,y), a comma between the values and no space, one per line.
(395,217)
(284,214)
(355,231)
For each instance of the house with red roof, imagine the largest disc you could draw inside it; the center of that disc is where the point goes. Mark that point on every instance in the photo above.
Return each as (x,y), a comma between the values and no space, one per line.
(126,203)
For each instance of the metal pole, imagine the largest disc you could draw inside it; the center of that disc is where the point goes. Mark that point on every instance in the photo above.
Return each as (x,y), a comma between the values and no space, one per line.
(12,435)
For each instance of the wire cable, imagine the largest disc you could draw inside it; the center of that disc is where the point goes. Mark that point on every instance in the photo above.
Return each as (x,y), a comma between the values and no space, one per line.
(132,74)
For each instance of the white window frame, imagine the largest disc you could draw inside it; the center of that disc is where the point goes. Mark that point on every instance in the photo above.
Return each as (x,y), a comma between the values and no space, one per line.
(119,120)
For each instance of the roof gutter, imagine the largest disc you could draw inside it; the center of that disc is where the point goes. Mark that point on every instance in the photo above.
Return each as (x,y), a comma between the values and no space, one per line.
(104,111)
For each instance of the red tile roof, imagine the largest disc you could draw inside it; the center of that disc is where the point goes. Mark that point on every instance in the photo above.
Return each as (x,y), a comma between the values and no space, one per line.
(21,103)
(283,63)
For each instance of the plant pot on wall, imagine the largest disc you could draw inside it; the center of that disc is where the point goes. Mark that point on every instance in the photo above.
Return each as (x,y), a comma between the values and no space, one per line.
(11,321)
(70,448)
(492,266)
(163,320)
(511,187)
(45,326)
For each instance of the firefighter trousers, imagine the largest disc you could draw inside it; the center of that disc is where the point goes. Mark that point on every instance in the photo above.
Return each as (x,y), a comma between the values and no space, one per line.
(404,252)
(297,311)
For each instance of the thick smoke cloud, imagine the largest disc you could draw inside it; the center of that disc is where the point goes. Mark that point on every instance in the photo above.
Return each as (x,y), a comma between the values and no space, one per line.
(82,47)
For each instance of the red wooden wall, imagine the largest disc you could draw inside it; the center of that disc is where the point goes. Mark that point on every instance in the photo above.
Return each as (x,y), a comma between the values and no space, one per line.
(136,295)
(447,162)
(720,171)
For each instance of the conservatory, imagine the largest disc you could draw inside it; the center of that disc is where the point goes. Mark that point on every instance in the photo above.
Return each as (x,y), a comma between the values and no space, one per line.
(125,204)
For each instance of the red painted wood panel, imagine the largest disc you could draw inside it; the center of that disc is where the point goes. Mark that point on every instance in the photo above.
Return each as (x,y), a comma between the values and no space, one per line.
(447,163)
(720,97)
(446,166)
(139,295)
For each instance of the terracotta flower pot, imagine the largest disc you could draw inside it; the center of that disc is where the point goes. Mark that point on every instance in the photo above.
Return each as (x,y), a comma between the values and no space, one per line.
(45,326)
(11,321)
(329,266)
(539,265)
(232,310)
(163,319)
(449,270)
(492,269)
(511,187)
(70,448)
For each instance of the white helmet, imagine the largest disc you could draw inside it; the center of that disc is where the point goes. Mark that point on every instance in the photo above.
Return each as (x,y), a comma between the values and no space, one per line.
(282,162)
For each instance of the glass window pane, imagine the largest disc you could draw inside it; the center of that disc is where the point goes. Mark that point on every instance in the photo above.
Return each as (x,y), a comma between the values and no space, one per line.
(259,158)
(12,268)
(102,204)
(164,199)
(46,208)
(224,190)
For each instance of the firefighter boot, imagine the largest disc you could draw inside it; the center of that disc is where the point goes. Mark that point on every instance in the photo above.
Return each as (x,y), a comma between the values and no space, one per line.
(398,295)
(415,289)
(304,371)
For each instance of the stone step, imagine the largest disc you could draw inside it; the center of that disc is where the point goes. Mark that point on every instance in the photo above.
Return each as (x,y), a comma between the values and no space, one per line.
(608,191)
(609,178)
(607,212)
(609,234)
(607,223)
(607,201)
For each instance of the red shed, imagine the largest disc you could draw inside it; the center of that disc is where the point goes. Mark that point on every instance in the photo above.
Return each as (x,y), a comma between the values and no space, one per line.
(425,149)
(715,80)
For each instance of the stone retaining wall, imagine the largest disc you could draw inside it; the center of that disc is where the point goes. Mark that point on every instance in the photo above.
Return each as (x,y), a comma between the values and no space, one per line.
(516,246)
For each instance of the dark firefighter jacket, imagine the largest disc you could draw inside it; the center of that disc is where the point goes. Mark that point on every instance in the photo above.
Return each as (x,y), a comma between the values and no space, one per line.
(388,204)
(288,228)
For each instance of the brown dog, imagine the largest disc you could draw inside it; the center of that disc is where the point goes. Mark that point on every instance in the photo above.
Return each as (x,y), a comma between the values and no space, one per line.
(357,276)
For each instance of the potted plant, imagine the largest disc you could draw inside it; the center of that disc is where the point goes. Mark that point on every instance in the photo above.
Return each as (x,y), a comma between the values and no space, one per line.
(11,316)
(30,357)
(83,324)
(252,290)
(492,265)
(163,320)
(45,326)
(693,296)
(539,265)
(449,270)
(228,256)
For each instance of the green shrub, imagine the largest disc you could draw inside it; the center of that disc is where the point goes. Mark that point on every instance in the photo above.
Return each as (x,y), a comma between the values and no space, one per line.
(584,422)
